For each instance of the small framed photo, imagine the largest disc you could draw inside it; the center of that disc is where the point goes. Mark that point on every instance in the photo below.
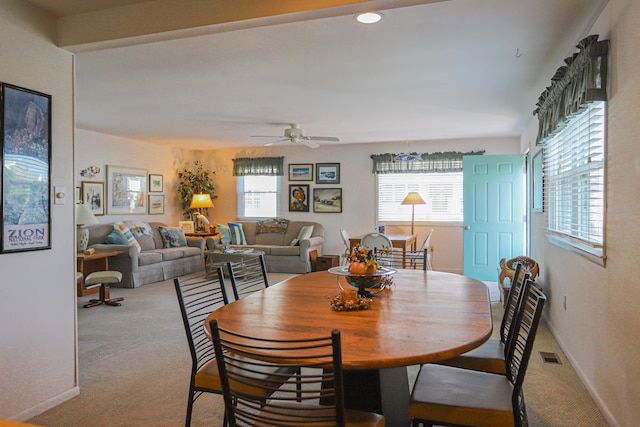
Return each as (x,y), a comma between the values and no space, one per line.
(156,204)
(93,196)
(301,172)
(327,173)
(327,200)
(187,226)
(155,183)
(298,198)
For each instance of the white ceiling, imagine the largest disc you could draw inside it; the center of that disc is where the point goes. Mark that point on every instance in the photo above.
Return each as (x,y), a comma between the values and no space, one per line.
(453,69)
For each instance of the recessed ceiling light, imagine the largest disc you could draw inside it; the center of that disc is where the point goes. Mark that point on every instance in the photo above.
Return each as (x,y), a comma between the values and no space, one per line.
(369,17)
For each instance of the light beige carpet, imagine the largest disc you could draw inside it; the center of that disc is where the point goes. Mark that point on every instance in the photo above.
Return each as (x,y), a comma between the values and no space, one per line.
(135,365)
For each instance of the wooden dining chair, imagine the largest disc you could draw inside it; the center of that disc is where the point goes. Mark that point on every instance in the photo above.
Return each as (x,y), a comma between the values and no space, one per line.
(198,296)
(454,396)
(248,276)
(491,355)
(241,359)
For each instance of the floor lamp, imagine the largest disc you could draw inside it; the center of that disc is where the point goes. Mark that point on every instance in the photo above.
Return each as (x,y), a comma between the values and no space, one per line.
(201,201)
(413,199)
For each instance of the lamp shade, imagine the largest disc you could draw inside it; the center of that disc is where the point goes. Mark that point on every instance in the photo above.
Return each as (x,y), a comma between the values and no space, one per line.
(201,201)
(413,198)
(84,216)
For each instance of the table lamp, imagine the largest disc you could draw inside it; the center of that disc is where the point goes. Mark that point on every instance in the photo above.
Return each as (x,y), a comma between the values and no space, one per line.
(413,199)
(201,201)
(84,216)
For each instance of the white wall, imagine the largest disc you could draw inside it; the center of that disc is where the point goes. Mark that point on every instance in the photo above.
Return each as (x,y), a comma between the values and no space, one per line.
(37,289)
(96,149)
(598,330)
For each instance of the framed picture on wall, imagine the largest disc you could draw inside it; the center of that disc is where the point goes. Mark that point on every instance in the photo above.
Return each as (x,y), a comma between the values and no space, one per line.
(156,204)
(301,172)
(327,173)
(93,196)
(537,182)
(299,198)
(127,190)
(155,183)
(25,196)
(327,200)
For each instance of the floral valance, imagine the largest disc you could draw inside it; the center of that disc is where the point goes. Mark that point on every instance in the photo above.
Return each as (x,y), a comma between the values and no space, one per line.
(449,161)
(583,79)
(245,166)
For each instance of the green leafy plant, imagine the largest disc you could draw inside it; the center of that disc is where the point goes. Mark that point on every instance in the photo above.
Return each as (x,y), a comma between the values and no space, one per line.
(194,181)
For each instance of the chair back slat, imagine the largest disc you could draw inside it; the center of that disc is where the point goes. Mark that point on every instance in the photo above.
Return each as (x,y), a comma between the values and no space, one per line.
(241,360)
(514,300)
(198,297)
(521,344)
(248,276)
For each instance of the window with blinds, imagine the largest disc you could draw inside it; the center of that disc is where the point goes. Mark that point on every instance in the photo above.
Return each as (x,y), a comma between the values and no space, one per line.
(574,173)
(442,193)
(258,196)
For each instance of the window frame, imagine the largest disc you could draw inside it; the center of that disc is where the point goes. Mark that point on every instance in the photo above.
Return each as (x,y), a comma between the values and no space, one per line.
(240,189)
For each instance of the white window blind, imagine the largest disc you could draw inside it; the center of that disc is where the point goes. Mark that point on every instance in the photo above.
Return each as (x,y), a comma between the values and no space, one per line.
(258,196)
(574,171)
(442,193)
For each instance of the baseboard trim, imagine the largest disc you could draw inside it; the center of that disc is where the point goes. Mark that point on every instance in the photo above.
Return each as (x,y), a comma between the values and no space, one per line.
(27,414)
(608,416)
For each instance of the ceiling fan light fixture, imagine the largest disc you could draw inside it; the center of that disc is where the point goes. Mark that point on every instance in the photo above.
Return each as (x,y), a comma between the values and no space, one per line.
(369,17)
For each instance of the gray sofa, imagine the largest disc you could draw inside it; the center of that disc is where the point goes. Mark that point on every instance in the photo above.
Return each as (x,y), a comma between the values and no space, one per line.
(154,262)
(279,255)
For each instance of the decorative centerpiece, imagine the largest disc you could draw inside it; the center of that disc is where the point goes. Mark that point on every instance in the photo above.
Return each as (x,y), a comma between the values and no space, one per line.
(364,271)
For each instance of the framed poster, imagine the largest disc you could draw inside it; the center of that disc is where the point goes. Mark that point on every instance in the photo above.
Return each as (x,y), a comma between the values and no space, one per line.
(155,183)
(298,198)
(538,183)
(156,204)
(93,196)
(327,173)
(26,169)
(127,189)
(327,200)
(301,172)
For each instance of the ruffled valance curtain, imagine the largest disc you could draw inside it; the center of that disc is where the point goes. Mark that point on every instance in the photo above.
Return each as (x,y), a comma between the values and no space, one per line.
(582,80)
(450,161)
(245,166)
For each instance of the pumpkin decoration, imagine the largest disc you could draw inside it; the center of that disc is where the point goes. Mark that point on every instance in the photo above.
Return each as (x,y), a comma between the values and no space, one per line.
(362,260)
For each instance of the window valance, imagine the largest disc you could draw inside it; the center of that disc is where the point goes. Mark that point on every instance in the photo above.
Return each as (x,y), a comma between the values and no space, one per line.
(270,166)
(449,161)
(583,79)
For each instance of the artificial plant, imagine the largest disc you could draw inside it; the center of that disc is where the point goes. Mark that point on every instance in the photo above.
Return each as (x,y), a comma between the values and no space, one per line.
(194,181)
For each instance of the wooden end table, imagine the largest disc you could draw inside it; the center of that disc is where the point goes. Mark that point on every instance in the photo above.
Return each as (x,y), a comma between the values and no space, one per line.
(89,263)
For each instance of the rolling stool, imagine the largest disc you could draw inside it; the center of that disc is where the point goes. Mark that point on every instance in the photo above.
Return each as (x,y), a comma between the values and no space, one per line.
(103,279)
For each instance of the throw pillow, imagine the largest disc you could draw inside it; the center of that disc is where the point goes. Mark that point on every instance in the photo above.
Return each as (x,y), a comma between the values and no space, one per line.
(304,233)
(146,242)
(115,238)
(237,234)
(225,233)
(139,228)
(124,229)
(172,237)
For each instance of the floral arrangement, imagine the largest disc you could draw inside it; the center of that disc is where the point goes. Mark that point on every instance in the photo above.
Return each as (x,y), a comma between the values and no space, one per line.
(362,260)
(338,304)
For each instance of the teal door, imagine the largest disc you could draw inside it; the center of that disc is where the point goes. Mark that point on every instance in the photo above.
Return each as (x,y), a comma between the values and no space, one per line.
(493,224)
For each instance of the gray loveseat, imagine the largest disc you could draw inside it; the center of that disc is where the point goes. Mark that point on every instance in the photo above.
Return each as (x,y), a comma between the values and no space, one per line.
(154,262)
(279,255)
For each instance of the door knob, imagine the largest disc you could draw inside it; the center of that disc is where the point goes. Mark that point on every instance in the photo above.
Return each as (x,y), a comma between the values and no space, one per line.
(467,227)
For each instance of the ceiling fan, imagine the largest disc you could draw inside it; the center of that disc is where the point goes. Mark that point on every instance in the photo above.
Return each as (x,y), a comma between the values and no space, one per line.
(295,134)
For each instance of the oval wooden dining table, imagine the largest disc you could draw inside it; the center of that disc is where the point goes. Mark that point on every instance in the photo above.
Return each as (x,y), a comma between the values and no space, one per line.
(425,316)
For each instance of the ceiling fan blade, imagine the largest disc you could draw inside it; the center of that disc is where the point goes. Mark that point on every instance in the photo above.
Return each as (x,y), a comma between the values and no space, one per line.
(324,138)
(265,136)
(276,142)
(310,143)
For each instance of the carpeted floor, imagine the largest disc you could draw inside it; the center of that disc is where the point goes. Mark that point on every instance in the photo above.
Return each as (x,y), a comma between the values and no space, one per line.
(135,365)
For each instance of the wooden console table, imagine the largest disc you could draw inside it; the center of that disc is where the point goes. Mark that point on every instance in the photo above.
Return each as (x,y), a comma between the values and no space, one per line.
(87,264)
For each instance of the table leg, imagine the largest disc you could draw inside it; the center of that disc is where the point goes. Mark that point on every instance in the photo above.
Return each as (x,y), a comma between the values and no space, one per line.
(384,391)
